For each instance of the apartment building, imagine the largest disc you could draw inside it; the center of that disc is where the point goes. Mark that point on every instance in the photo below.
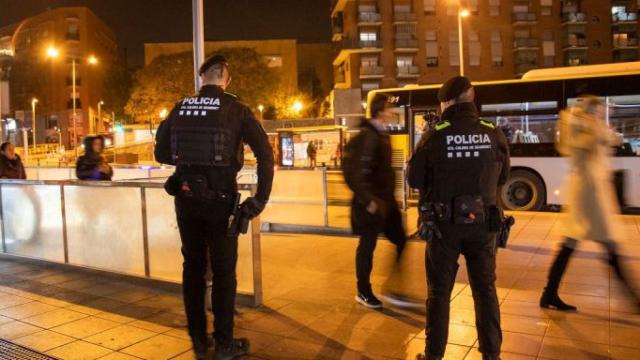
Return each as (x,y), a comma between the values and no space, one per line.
(393,43)
(36,61)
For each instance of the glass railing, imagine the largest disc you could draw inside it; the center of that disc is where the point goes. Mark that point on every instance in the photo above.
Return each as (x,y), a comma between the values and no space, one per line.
(118,227)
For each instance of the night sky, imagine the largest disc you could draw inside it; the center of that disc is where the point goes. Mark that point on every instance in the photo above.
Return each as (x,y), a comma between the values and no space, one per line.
(138,21)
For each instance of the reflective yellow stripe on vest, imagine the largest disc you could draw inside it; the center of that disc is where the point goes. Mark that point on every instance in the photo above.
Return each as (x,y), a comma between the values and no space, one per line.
(442,125)
(487,124)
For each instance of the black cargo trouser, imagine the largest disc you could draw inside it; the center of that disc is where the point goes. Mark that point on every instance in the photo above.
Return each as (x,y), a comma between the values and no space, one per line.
(369,226)
(478,247)
(203,230)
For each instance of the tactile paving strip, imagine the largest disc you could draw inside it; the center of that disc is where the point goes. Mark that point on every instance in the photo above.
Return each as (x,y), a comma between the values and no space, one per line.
(11,351)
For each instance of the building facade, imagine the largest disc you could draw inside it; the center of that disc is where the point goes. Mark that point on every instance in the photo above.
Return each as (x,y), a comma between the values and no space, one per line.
(393,43)
(36,58)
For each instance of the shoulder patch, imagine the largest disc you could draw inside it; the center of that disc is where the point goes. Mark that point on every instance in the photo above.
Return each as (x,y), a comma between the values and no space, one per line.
(442,125)
(487,124)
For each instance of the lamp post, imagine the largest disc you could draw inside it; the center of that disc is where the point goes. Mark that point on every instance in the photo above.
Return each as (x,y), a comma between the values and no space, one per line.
(261,110)
(34,101)
(53,52)
(461,14)
(100,103)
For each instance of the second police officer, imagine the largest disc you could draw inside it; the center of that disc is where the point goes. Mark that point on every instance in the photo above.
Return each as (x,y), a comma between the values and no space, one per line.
(458,167)
(204,136)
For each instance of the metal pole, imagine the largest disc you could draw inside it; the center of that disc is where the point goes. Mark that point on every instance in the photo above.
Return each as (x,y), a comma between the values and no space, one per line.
(325,197)
(33,124)
(460,45)
(25,143)
(198,41)
(99,117)
(73,80)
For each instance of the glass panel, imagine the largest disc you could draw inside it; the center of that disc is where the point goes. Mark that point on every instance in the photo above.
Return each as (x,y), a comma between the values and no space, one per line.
(296,198)
(33,221)
(528,122)
(104,228)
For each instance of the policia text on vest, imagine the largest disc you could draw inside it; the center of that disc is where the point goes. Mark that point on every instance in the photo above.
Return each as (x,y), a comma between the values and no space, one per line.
(458,168)
(203,137)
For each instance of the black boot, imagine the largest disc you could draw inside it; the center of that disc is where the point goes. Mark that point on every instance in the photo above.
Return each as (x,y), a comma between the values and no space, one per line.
(614,261)
(550,298)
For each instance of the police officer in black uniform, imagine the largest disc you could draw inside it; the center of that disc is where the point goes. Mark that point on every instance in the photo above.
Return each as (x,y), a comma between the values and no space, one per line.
(203,136)
(458,167)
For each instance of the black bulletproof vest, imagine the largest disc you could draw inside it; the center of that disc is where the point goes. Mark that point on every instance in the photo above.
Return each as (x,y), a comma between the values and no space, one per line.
(202,134)
(464,160)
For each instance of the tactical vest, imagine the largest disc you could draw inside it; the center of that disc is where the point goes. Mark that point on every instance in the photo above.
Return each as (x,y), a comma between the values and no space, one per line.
(201,134)
(465,162)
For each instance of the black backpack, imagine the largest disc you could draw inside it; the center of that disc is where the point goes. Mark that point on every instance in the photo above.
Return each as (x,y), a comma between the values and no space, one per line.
(351,154)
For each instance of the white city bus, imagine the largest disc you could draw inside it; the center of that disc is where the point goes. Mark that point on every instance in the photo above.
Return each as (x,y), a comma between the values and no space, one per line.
(527,111)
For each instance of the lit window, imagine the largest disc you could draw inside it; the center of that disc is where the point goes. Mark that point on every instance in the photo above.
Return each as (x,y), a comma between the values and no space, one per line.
(274,61)
(430,6)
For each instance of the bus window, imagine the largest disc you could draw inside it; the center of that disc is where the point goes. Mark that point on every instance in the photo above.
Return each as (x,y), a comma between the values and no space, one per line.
(524,122)
(624,117)
(424,120)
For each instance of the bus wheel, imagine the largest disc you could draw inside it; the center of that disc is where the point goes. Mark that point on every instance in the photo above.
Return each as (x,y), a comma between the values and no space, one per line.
(523,191)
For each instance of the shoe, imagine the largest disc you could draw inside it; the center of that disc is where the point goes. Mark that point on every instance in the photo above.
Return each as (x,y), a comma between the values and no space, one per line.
(422,356)
(369,301)
(553,302)
(235,349)
(490,357)
(201,348)
(402,301)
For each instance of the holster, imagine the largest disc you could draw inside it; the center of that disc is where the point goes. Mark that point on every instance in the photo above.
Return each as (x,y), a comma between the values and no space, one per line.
(468,209)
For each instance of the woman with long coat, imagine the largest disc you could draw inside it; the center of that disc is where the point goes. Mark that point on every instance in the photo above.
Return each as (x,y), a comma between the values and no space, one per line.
(591,199)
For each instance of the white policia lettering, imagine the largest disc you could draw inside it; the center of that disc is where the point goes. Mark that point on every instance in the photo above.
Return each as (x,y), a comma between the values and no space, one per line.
(201,101)
(468,139)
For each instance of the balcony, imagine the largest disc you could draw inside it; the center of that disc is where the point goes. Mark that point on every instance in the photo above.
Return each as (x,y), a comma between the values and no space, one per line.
(404,18)
(369,19)
(625,41)
(522,68)
(524,44)
(622,18)
(575,61)
(355,44)
(371,72)
(407,44)
(337,26)
(520,19)
(408,71)
(72,36)
(575,41)
(574,18)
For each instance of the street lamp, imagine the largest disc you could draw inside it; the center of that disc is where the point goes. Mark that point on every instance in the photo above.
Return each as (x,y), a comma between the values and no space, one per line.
(461,14)
(297,106)
(100,103)
(53,52)
(34,101)
(261,110)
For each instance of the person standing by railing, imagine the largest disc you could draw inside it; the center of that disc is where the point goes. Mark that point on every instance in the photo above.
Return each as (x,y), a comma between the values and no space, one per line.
(10,163)
(93,165)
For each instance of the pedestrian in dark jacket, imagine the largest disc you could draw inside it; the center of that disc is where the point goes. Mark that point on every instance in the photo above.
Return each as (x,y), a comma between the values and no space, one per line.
(10,163)
(374,208)
(93,165)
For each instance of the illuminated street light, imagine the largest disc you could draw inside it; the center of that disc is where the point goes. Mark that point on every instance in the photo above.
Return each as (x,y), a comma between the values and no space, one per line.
(261,110)
(297,106)
(461,14)
(164,113)
(34,101)
(53,52)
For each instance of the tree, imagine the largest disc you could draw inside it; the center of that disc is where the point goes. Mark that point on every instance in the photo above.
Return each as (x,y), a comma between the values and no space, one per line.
(116,89)
(291,105)
(169,78)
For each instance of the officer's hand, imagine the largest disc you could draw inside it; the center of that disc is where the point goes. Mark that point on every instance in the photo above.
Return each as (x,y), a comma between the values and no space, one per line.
(372,208)
(252,207)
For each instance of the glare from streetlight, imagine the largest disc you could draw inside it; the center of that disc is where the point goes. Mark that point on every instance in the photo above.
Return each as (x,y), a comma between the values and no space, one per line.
(464,13)
(53,52)
(261,108)
(101,102)
(93,60)
(34,101)
(164,113)
(297,106)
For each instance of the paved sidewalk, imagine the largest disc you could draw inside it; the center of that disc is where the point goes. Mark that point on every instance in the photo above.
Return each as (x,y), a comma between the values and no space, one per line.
(309,311)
